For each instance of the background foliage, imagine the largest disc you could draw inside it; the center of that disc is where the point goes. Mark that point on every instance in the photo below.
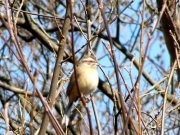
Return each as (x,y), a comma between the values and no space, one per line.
(36,55)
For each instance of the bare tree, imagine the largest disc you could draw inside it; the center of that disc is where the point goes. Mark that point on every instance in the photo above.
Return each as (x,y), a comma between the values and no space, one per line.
(138,90)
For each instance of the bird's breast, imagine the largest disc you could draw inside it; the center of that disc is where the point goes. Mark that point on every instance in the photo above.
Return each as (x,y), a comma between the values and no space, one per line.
(88,81)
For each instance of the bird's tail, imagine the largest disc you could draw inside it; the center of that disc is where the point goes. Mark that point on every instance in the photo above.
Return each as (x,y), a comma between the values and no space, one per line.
(65,119)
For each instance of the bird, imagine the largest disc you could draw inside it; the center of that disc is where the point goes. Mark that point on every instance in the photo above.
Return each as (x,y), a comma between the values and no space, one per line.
(87,79)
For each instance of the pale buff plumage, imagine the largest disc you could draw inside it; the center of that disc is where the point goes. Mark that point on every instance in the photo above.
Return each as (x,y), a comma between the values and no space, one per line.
(87,79)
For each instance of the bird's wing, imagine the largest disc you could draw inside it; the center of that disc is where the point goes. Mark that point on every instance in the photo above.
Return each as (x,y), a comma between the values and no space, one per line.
(72,82)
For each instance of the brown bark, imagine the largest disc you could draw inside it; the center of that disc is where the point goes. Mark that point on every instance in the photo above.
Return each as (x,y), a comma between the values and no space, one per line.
(171,28)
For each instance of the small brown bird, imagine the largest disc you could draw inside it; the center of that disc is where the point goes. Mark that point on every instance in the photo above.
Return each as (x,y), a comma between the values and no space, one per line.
(87,79)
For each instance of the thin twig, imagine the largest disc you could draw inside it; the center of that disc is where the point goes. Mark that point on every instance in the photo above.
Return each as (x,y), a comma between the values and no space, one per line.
(96,115)
(165,97)
(75,73)
(24,64)
(114,59)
